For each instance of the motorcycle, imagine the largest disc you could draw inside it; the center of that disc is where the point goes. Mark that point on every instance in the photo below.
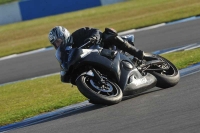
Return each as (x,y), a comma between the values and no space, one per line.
(106,76)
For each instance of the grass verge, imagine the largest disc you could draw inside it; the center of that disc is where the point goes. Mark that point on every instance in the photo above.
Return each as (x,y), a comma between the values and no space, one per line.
(30,35)
(183,59)
(32,97)
(6,1)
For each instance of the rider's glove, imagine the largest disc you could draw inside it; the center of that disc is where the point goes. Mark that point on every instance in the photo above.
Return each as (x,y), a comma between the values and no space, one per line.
(91,39)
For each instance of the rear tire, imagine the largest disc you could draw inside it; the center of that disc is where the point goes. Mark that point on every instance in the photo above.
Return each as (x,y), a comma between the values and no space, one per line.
(168,78)
(89,87)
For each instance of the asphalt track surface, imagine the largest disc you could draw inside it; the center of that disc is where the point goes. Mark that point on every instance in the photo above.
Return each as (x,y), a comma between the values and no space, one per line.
(43,63)
(173,110)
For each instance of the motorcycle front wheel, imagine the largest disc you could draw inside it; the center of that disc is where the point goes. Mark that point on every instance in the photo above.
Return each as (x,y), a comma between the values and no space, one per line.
(109,93)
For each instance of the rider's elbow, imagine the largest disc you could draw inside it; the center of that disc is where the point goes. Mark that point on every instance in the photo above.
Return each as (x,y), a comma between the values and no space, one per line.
(65,78)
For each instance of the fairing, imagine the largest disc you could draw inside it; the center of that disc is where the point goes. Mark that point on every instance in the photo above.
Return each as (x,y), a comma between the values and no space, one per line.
(121,67)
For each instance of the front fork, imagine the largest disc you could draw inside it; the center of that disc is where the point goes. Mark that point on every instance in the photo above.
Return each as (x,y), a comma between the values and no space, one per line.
(97,75)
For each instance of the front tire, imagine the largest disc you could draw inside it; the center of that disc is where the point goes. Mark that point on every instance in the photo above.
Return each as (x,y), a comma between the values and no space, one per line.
(90,88)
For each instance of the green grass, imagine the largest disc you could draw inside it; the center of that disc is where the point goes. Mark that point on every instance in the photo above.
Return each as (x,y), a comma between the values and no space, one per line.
(29,98)
(30,35)
(184,58)
(6,1)
(32,97)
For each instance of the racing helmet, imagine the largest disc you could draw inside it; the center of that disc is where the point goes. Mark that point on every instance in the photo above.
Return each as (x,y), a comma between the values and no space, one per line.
(59,32)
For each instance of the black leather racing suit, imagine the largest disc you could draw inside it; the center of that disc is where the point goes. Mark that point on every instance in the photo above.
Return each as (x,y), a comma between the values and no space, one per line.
(80,35)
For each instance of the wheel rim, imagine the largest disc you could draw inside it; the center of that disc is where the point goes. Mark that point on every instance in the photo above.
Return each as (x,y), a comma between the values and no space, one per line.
(107,89)
(169,69)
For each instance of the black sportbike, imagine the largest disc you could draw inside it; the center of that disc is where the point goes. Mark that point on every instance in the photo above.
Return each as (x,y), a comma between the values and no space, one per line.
(106,76)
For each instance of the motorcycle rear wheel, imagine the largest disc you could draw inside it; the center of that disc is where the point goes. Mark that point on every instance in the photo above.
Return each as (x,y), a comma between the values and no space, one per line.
(167,78)
(91,89)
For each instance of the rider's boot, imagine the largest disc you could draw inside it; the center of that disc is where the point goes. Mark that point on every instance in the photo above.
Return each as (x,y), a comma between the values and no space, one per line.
(126,46)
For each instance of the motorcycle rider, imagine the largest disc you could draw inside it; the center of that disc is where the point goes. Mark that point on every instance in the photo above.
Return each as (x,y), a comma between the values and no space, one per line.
(61,39)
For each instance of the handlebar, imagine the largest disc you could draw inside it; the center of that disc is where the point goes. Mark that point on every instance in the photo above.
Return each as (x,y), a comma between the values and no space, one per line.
(84,44)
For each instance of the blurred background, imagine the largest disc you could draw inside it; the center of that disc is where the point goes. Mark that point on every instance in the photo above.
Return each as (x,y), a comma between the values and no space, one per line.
(19,10)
